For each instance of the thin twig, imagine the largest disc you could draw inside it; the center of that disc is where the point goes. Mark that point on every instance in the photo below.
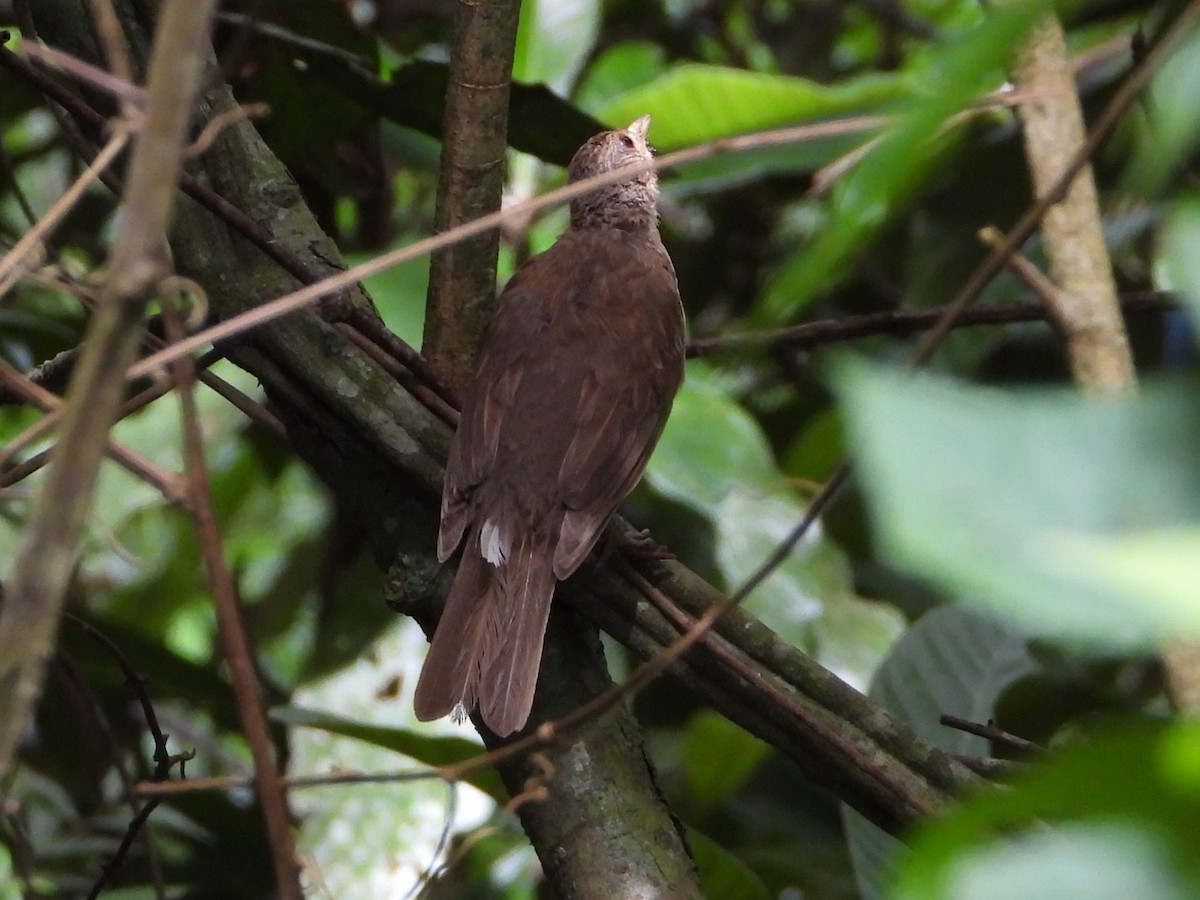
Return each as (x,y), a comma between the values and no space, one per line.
(10,265)
(900,323)
(1043,288)
(232,630)
(129,93)
(136,683)
(164,761)
(108,27)
(165,481)
(991,732)
(44,565)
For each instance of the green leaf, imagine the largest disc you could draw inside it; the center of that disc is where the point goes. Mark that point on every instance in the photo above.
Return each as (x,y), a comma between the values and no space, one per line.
(732,479)
(721,873)
(1005,500)
(554,38)
(871,194)
(695,103)
(1098,860)
(1121,812)
(618,70)
(718,757)
(1170,136)
(1163,567)
(700,474)
(950,661)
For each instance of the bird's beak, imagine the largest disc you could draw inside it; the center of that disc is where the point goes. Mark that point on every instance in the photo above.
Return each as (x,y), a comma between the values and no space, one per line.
(640,127)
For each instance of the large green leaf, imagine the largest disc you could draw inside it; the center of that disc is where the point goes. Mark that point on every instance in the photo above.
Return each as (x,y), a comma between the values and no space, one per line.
(694,103)
(1115,818)
(710,445)
(1009,501)
(951,661)
(714,458)
(554,38)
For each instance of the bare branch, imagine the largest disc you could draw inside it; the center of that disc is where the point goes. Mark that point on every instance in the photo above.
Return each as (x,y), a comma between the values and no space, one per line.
(30,616)
(462,277)
(1085,303)
(236,644)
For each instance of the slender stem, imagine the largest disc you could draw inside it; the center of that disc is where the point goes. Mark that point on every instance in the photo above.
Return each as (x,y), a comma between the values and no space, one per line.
(45,563)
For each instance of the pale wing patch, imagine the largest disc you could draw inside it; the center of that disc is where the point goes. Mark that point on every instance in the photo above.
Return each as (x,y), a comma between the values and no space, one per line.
(493,545)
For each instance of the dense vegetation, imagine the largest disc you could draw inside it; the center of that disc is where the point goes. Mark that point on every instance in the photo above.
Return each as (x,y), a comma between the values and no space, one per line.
(1015,542)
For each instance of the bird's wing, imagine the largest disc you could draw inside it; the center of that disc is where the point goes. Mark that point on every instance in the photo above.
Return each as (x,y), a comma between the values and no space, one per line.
(622,407)
(512,339)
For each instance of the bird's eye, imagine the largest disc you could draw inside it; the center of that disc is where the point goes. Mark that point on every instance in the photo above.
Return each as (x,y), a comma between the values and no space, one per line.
(627,142)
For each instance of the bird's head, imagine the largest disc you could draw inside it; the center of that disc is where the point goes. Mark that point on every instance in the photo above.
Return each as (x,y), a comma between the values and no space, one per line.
(631,203)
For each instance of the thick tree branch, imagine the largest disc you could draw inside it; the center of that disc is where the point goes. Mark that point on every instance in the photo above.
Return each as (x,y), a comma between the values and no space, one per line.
(1085,304)
(462,278)
(238,652)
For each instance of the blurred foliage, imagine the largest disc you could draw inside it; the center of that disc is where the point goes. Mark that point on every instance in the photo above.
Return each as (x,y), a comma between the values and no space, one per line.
(1009,550)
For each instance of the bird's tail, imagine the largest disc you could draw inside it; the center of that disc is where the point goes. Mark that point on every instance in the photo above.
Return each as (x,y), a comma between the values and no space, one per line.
(487,648)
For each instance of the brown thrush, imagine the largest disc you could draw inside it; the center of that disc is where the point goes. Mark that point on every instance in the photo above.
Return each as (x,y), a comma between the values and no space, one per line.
(575,381)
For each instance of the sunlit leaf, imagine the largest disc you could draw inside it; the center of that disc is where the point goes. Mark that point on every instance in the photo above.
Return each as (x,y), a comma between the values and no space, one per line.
(694,103)
(732,479)
(554,38)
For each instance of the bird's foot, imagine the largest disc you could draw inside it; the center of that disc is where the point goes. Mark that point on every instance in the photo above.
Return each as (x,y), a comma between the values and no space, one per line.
(640,545)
